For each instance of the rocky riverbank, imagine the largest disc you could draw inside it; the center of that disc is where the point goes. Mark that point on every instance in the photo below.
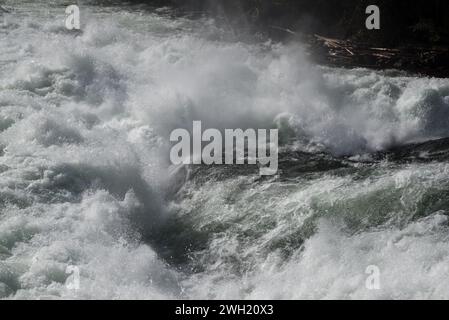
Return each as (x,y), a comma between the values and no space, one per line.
(413,37)
(424,59)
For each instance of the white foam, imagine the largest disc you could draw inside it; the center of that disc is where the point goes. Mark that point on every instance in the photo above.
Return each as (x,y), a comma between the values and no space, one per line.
(84,128)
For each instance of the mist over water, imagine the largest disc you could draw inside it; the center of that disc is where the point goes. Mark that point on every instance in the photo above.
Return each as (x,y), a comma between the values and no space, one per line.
(85,178)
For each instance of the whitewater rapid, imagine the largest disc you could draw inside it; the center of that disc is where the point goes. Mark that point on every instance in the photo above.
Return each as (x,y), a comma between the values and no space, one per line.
(85,178)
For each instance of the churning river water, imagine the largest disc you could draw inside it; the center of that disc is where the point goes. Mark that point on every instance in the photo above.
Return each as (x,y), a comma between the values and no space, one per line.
(86,182)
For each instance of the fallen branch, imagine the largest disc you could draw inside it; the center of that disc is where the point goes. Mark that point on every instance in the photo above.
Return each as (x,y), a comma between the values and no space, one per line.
(419,59)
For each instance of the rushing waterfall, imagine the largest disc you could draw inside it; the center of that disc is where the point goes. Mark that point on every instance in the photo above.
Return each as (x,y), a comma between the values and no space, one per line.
(86,181)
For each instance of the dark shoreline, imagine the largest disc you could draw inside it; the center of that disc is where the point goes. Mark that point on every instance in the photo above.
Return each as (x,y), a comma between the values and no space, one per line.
(414,37)
(419,60)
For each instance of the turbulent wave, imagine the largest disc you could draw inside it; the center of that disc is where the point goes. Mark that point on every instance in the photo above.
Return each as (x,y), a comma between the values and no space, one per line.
(85,178)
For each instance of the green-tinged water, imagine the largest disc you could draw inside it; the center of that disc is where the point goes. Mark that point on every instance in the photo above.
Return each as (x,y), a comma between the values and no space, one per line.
(86,182)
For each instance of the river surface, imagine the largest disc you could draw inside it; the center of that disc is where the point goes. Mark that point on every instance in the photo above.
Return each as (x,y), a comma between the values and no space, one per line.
(86,183)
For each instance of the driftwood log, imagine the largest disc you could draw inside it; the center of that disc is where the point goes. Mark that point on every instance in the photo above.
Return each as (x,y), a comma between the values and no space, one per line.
(419,59)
